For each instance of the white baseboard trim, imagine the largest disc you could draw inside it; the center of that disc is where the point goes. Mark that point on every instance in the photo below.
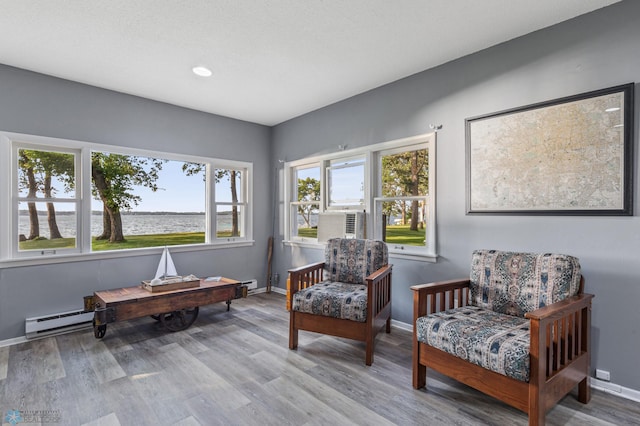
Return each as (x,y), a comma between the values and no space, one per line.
(279,290)
(264,290)
(14,341)
(614,389)
(402,325)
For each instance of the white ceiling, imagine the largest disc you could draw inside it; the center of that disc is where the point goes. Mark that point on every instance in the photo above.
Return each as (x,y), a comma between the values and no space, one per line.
(271,60)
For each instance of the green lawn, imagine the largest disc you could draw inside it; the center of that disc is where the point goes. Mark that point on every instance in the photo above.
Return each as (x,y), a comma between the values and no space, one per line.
(43,244)
(401,234)
(308,232)
(151,240)
(396,234)
(132,241)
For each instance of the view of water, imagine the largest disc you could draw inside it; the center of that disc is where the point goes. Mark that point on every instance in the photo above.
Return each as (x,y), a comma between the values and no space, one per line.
(132,224)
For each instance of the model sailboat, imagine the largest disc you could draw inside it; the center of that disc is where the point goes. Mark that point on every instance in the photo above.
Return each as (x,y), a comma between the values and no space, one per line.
(167,277)
(166,267)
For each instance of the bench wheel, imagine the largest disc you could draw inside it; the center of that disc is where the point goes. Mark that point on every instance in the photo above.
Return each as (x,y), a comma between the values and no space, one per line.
(99,330)
(179,320)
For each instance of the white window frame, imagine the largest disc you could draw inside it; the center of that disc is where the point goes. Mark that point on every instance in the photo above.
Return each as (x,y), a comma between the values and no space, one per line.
(15,199)
(245,225)
(11,256)
(351,161)
(428,249)
(292,193)
(372,191)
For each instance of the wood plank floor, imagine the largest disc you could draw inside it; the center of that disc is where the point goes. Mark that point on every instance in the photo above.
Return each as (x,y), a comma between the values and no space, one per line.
(235,368)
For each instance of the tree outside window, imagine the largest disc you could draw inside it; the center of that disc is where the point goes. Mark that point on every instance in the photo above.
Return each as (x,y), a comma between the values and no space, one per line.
(230,204)
(46,187)
(402,202)
(307,207)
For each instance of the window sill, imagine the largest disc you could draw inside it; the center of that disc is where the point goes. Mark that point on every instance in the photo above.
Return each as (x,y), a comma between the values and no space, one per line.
(419,257)
(115,254)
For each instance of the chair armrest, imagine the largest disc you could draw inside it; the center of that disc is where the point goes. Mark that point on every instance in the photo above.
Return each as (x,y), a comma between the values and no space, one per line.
(380,273)
(560,335)
(437,287)
(439,296)
(303,277)
(558,310)
(379,291)
(307,268)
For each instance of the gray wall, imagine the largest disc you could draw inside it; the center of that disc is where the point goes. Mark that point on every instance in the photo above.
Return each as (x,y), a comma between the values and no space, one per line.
(40,105)
(595,51)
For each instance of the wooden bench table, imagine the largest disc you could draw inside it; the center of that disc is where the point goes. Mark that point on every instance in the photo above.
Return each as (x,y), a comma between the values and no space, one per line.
(175,309)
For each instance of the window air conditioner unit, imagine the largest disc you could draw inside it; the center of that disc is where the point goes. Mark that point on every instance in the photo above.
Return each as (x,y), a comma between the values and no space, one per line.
(340,224)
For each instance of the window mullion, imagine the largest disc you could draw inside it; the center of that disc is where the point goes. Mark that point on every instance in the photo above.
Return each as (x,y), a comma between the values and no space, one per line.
(210,214)
(84,205)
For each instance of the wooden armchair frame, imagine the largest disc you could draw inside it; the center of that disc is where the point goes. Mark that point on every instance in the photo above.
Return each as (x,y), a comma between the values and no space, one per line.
(378,309)
(559,351)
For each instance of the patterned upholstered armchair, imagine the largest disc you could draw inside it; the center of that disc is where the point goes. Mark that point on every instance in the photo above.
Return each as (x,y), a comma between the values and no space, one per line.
(348,295)
(518,329)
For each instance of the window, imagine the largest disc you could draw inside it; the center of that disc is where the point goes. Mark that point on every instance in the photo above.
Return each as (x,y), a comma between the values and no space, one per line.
(46,206)
(345,180)
(306,201)
(402,200)
(392,182)
(230,205)
(73,197)
(142,201)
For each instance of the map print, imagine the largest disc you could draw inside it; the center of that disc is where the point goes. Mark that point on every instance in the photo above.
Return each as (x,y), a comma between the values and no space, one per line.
(567,156)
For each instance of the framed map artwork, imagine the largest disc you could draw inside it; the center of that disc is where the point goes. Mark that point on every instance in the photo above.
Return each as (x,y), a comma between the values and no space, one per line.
(569,156)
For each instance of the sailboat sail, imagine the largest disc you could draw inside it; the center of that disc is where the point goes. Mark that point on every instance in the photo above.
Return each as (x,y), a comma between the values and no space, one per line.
(166,267)
(167,277)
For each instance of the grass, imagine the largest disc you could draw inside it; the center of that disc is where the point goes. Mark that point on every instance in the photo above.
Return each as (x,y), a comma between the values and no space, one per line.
(308,232)
(150,240)
(43,244)
(401,234)
(131,241)
(396,234)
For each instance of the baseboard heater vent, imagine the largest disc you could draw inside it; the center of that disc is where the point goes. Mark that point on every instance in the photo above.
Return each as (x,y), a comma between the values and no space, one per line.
(251,284)
(57,323)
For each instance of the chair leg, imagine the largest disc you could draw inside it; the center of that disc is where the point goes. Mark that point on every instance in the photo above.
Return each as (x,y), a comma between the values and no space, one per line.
(537,418)
(419,370)
(369,353)
(537,411)
(293,332)
(584,391)
(388,328)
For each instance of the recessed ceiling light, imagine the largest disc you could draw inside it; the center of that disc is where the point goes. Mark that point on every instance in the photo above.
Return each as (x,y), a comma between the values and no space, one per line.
(202,71)
(612,109)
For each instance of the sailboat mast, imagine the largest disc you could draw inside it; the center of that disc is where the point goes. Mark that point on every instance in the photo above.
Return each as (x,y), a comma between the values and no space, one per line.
(166,261)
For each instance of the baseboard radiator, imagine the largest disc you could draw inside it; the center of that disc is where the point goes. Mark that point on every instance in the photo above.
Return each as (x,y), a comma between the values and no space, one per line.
(251,284)
(57,323)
